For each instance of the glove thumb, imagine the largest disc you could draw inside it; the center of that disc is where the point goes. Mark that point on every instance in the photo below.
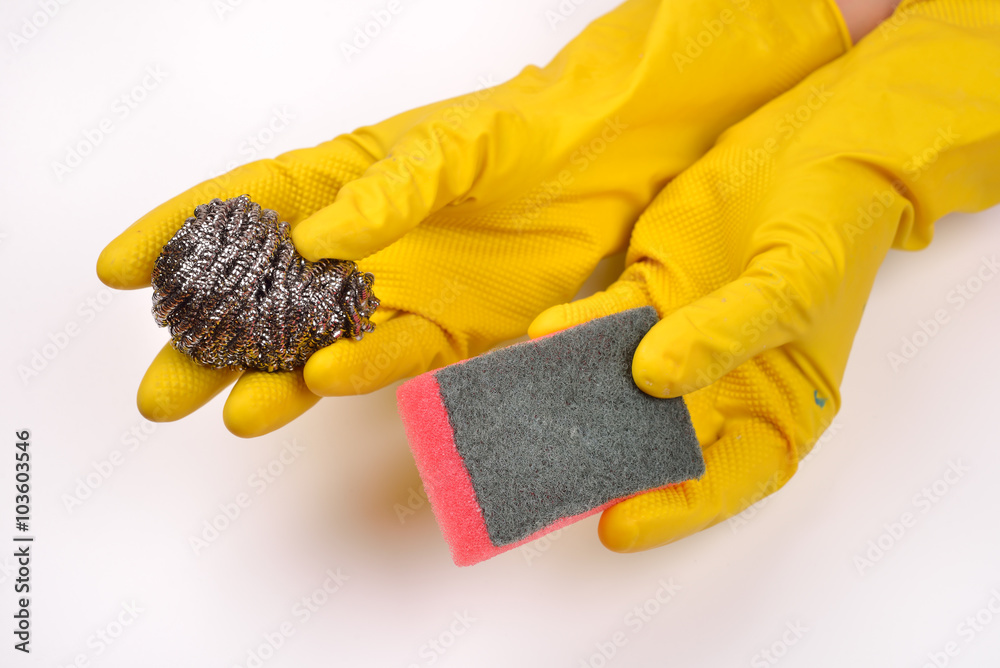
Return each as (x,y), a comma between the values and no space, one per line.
(697,344)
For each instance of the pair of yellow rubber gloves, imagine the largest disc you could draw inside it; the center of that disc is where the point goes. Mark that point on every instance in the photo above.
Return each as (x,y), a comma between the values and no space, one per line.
(755,163)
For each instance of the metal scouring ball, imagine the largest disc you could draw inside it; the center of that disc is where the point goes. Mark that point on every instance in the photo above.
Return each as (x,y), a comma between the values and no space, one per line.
(236,294)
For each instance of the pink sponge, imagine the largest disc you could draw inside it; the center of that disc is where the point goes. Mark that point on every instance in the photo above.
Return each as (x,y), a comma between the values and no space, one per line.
(524,440)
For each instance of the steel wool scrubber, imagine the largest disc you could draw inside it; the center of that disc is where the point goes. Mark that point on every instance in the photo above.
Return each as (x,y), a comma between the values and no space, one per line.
(236,294)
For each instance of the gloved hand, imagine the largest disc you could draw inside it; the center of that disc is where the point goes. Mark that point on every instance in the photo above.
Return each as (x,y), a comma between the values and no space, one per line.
(485,209)
(760,257)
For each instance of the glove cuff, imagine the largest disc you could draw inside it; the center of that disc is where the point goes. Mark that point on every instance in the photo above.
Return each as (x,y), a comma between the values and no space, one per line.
(837,17)
(961,13)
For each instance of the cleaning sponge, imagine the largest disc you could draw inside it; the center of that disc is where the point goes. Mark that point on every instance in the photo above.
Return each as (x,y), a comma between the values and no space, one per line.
(523,440)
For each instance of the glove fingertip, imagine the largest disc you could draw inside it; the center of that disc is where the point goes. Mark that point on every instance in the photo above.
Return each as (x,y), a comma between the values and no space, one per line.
(549,321)
(110,271)
(175,386)
(340,232)
(331,372)
(262,402)
(616,532)
(654,370)
(126,263)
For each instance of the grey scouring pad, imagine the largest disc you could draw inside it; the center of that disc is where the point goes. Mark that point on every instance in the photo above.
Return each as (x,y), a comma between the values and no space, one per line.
(526,439)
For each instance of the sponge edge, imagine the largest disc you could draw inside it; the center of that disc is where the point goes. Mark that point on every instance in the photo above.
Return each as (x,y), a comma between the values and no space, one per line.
(523,440)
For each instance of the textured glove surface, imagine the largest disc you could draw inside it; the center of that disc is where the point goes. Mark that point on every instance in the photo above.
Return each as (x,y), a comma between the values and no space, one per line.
(760,257)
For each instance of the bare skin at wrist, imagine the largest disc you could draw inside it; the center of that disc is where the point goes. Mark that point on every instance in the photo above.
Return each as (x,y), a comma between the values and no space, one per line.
(861,16)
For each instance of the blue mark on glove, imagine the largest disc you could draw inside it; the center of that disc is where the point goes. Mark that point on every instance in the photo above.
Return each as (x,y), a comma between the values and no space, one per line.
(820,401)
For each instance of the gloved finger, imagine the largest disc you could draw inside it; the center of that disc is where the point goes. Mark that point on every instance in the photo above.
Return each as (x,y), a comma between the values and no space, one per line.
(432,165)
(697,344)
(749,462)
(295,184)
(175,386)
(620,296)
(404,346)
(261,402)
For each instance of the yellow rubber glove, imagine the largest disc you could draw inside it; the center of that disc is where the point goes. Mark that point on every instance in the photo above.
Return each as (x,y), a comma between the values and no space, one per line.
(488,208)
(760,258)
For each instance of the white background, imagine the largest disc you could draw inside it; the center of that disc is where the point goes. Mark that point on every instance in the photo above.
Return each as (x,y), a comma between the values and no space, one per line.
(335,506)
